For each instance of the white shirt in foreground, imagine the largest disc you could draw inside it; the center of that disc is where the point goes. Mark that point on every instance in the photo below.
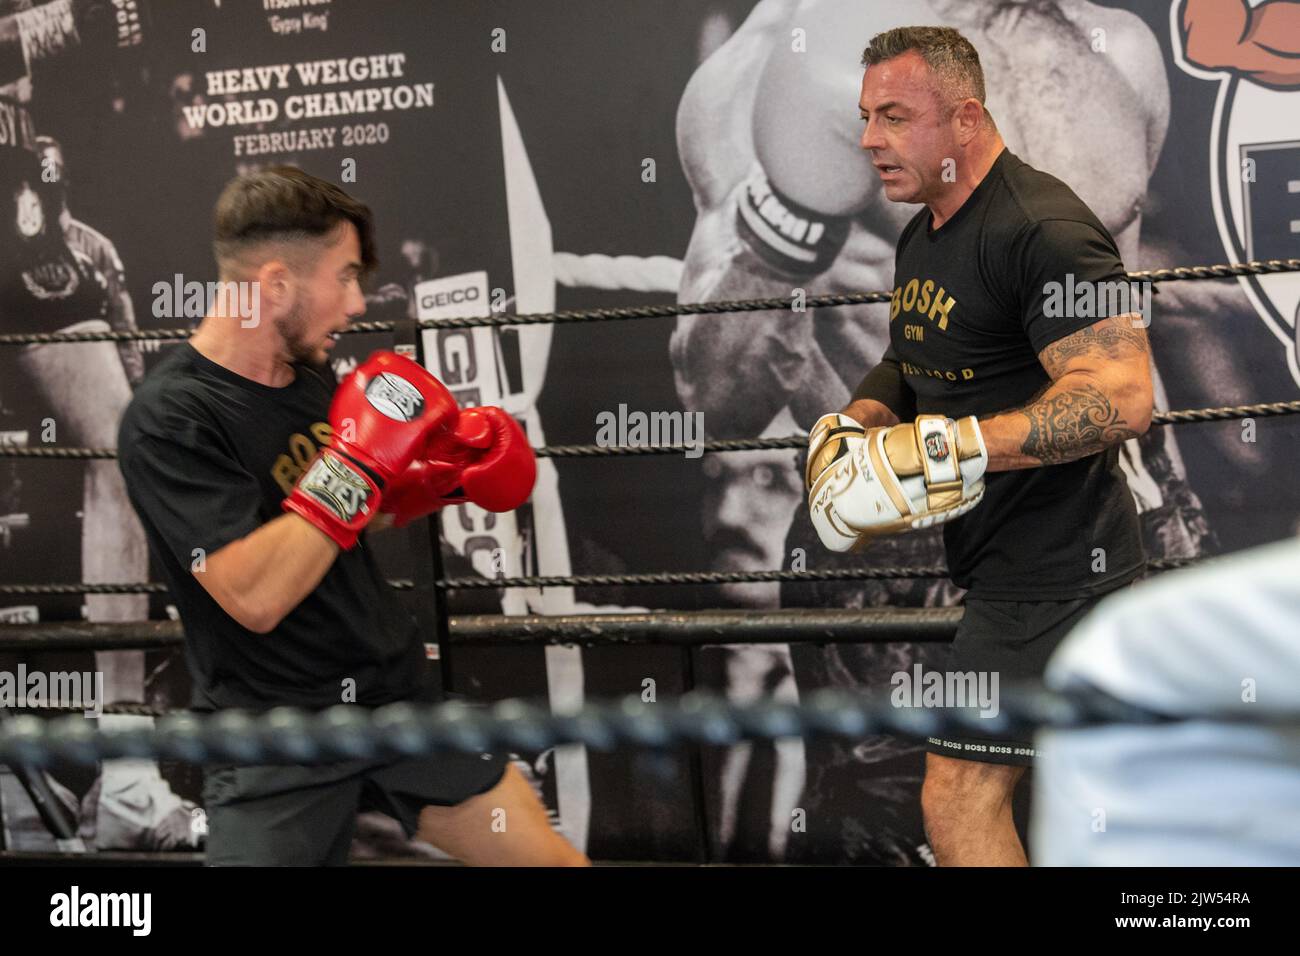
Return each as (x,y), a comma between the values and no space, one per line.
(1221,637)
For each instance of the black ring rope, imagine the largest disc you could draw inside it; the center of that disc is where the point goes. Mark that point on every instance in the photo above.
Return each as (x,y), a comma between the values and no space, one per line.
(651,579)
(350,732)
(1178,417)
(1178,274)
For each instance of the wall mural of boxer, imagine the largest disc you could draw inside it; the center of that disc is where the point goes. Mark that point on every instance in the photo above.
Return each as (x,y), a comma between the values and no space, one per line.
(538,156)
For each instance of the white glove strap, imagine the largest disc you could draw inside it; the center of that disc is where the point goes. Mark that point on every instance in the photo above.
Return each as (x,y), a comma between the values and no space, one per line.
(938,445)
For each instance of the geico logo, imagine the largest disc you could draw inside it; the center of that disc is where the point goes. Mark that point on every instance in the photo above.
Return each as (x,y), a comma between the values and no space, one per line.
(454,297)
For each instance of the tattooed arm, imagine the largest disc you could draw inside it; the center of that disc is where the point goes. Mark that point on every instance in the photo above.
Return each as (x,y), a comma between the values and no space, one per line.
(1100,395)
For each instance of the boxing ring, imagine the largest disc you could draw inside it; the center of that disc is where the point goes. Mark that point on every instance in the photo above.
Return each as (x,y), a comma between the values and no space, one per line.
(29,743)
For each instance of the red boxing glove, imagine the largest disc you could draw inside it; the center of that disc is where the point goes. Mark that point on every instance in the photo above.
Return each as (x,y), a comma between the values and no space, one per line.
(420,490)
(502,477)
(486,460)
(383,415)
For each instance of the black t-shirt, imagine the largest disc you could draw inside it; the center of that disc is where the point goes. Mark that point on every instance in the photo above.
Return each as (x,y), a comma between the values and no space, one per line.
(967,324)
(208,456)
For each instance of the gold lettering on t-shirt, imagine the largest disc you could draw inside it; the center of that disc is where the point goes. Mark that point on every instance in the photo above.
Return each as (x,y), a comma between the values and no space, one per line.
(285,473)
(288,468)
(927,289)
(942,307)
(909,295)
(303,450)
(947,374)
(922,297)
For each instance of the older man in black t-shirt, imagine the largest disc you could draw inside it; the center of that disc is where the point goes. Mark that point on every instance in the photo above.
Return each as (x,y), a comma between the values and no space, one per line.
(1003,317)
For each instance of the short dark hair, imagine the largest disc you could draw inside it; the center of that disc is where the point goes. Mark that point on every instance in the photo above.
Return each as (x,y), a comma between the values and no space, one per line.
(283,204)
(950,56)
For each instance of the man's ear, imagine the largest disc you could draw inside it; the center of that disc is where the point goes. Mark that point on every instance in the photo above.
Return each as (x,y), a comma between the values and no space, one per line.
(277,286)
(969,119)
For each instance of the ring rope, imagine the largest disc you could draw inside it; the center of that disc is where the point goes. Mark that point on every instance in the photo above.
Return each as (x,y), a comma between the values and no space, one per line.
(590,580)
(109,710)
(730,577)
(349,732)
(1176,417)
(1178,274)
(618,273)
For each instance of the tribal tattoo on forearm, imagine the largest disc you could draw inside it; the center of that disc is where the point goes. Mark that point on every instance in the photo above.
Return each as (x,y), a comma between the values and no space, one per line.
(1073,424)
(1116,340)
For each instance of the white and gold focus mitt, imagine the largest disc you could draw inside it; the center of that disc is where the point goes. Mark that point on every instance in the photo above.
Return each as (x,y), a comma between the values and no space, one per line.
(864,483)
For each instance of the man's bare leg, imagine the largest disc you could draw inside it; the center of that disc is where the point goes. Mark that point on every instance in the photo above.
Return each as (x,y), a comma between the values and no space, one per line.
(85,390)
(136,807)
(967,809)
(113,548)
(506,826)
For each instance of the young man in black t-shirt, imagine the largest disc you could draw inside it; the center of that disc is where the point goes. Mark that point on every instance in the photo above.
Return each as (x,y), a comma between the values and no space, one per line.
(241,424)
(1002,318)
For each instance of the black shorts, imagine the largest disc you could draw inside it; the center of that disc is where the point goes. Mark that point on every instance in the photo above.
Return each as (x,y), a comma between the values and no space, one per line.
(305,816)
(1013,640)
